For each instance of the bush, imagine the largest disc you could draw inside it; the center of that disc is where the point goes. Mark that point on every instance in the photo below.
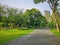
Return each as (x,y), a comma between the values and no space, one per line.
(2,25)
(23,28)
(11,25)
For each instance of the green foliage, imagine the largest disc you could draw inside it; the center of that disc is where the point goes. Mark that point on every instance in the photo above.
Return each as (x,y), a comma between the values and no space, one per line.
(51,24)
(38,1)
(11,25)
(4,19)
(53,5)
(14,18)
(34,18)
(1,9)
(2,25)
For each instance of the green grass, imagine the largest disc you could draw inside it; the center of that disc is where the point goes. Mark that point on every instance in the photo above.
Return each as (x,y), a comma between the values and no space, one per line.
(8,35)
(55,32)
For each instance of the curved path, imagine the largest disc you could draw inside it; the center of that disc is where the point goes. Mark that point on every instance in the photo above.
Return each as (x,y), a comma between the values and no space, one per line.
(38,37)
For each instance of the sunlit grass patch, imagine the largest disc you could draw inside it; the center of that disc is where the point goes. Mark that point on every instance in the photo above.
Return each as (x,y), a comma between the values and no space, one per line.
(8,35)
(55,32)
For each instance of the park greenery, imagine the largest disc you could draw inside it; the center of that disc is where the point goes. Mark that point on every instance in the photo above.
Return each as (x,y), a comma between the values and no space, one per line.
(6,36)
(15,22)
(14,18)
(57,34)
(54,6)
(32,18)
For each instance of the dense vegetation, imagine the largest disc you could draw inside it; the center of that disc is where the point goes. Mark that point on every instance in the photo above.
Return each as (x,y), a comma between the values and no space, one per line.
(15,22)
(14,18)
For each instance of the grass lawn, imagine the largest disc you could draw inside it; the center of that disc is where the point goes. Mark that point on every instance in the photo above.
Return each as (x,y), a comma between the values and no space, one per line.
(8,35)
(55,32)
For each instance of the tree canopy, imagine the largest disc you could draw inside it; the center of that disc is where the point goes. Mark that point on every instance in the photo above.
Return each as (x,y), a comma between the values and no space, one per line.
(53,5)
(15,18)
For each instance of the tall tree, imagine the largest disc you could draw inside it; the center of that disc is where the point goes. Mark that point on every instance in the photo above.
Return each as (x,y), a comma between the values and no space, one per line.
(34,18)
(1,11)
(53,5)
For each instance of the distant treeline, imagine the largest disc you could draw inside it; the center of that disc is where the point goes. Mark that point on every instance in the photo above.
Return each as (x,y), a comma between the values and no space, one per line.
(15,18)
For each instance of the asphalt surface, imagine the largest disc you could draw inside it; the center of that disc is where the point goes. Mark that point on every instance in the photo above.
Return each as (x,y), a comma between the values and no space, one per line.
(37,37)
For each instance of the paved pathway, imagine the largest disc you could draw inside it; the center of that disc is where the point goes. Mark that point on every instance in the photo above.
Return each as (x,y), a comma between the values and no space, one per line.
(38,37)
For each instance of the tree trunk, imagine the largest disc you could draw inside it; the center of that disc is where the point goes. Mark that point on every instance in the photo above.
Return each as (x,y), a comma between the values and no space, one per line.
(56,22)
(57,26)
(0,17)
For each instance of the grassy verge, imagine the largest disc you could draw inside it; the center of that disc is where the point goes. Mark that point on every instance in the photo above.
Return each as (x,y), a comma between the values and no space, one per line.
(8,35)
(55,32)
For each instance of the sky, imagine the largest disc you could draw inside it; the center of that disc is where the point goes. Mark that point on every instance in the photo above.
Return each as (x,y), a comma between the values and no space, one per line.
(26,4)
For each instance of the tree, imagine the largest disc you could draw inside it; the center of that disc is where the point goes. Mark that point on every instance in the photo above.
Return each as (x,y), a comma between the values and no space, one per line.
(1,11)
(53,5)
(58,10)
(14,16)
(34,18)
